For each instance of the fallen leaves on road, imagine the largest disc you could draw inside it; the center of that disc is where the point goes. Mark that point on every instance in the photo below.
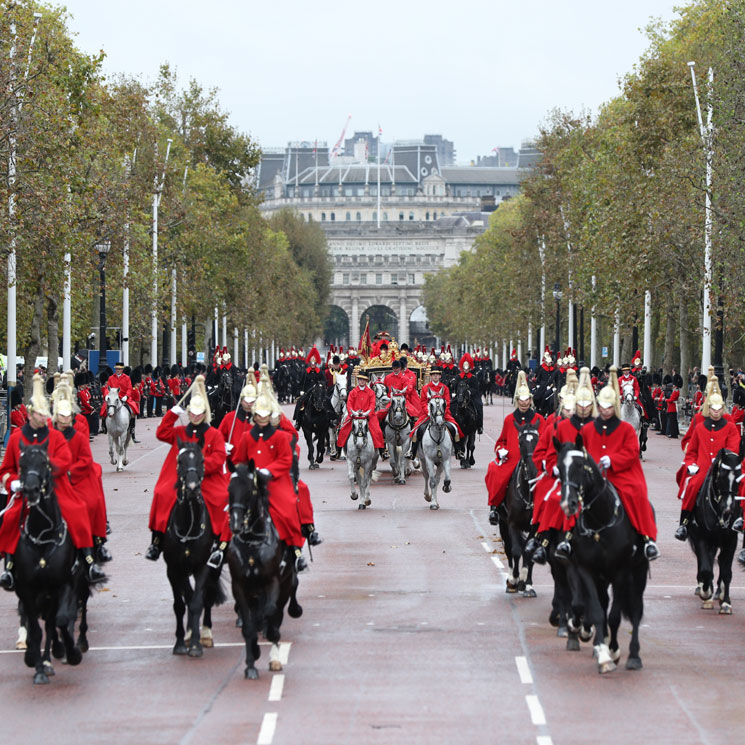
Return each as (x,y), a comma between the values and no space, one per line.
(371,563)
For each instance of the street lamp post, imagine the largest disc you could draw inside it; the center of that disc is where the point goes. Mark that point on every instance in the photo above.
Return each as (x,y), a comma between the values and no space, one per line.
(103,248)
(557,293)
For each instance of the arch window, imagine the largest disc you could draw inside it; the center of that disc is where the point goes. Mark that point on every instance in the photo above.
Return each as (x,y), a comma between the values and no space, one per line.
(349,216)
(323,217)
(333,217)
(411,215)
(359,217)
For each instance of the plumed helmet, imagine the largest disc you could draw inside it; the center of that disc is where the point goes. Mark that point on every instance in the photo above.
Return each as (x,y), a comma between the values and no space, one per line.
(636,360)
(584,395)
(38,402)
(62,401)
(314,356)
(610,394)
(263,406)
(267,389)
(568,403)
(522,390)
(226,356)
(571,384)
(249,391)
(714,399)
(547,358)
(198,401)
(466,363)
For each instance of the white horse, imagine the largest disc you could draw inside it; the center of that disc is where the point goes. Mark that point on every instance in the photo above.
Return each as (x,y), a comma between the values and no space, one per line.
(339,405)
(362,457)
(381,393)
(117,425)
(435,449)
(630,410)
(397,429)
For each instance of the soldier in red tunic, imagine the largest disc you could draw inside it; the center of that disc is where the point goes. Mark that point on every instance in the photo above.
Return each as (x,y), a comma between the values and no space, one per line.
(436,389)
(614,446)
(507,447)
(18,413)
(271,449)
(236,423)
(122,382)
(36,432)
(214,483)
(713,433)
(361,398)
(84,473)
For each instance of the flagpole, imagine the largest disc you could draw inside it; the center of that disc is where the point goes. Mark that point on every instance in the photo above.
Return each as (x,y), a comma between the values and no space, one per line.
(379,131)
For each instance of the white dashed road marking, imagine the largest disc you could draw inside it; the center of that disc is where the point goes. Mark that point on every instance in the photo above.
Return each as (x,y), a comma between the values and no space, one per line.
(268,727)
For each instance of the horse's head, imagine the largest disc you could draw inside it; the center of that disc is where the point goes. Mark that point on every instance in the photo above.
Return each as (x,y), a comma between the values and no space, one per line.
(726,475)
(462,393)
(113,402)
(318,397)
(528,439)
(577,473)
(397,412)
(190,470)
(436,408)
(627,392)
(35,472)
(359,425)
(246,497)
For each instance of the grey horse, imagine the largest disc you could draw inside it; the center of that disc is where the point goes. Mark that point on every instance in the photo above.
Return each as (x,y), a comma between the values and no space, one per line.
(117,425)
(339,405)
(630,411)
(362,457)
(397,429)
(435,449)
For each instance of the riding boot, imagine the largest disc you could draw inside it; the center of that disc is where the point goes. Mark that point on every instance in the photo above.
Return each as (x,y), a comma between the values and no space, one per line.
(564,549)
(383,453)
(300,564)
(651,552)
(309,531)
(103,426)
(532,543)
(154,549)
(102,553)
(215,560)
(95,573)
(493,516)
(540,555)
(682,532)
(737,526)
(132,422)
(414,450)
(7,580)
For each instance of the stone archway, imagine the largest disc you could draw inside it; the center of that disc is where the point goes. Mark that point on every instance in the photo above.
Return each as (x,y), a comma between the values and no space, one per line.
(419,330)
(382,318)
(336,329)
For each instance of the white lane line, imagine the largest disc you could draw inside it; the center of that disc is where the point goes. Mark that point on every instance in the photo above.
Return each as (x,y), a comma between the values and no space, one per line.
(523,670)
(544,740)
(284,651)
(486,547)
(536,710)
(497,561)
(268,726)
(278,684)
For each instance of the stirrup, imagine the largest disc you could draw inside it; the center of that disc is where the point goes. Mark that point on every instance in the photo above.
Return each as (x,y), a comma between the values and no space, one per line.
(215,560)
(153,552)
(651,552)
(681,533)
(738,525)
(563,550)
(7,580)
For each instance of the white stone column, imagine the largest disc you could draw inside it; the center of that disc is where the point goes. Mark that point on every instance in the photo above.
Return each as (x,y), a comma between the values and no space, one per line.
(236,346)
(403,322)
(648,330)
(245,348)
(354,327)
(617,339)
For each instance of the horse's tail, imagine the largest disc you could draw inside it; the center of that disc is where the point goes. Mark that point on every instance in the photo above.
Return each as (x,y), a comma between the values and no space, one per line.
(214,590)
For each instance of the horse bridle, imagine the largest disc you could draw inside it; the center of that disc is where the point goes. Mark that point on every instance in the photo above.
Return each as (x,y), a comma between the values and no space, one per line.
(44,491)
(709,502)
(187,497)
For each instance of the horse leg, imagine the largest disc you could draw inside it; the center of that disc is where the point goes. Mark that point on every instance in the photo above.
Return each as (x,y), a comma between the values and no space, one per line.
(309,443)
(350,475)
(32,656)
(447,486)
(196,605)
(529,591)
(705,576)
(595,616)
(471,449)
(111,449)
(726,556)
(22,632)
(635,611)
(65,616)
(179,607)
(83,627)
(50,635)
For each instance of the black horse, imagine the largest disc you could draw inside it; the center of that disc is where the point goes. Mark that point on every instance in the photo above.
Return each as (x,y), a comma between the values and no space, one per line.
(606,550)
(516,513)
(187,546)
(50,583)
(711,529)
(283,384)
(221,397)
(315,423)
(263,577)
(486,383)
(464,412)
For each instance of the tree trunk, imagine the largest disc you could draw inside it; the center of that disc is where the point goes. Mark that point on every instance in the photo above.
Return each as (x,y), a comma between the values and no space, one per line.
(685,352)
(667,362)
(31,352)
(53,335)
(655,362)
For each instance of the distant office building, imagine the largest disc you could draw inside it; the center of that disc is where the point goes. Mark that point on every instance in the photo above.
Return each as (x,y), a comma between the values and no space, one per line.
(500,157)
(445,149)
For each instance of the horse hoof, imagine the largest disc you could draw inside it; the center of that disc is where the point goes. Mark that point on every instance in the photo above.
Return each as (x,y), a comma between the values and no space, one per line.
(615,655)
(21,644)
(697,591)
(206,639)
(553,618)
(180,648)
(119,468)
(367,503)
(562,632)
(238,622)
(707,604)
(634,663)
(511,587)
(294,609)
(40,679)
(586,634)
(58,649)
(572,644)
(725,610)
(529,592)
(275,666)
(74,656)
(521,585)
(125,462)
(447,487)
(83,645)
(434,506)
(353,496)
(471,461)
(606,667)
(427,497)
(113,461)
(251,673)
(361,506)
(48,667)
(196,650)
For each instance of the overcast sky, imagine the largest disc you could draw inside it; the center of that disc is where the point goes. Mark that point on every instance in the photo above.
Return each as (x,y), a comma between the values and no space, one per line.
(480,72)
